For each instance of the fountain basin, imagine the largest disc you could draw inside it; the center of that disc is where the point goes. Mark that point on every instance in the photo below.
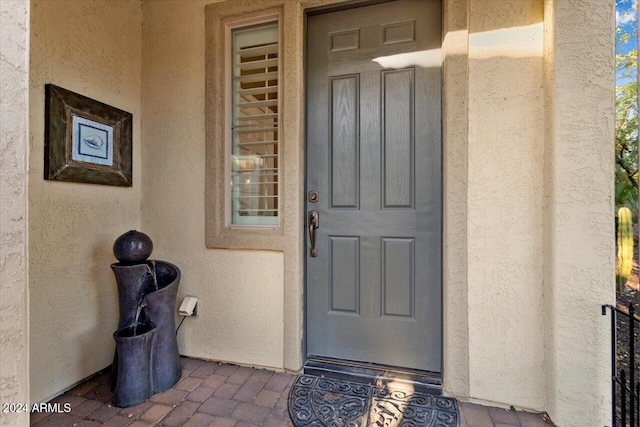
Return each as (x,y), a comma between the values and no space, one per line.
(134,380)
(160,306)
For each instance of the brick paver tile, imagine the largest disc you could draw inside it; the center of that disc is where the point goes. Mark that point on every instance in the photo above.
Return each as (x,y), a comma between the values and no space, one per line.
(506,425)
(85,408)
(280,408)
(199,420)
(193,364)
(205,370)
(188,384)
(251,413)
(277,422)
(261,375)
(59,420)
(83,388)
(246,424)
(499,415)
(226,370)
(103,377)
(214,381)
(140,424)
(88,423)
(134,412)
(528,419)
(35,417)
(278,382)
(170,397)
(155,413)
(240,376)
(185,373)
(226,391)
(248,391)
(180,414)
(118,421)
(218,407)
(223,422)
(74,401)
(200,394)
(267,398)
(475,415)
(104,413)
(101,393)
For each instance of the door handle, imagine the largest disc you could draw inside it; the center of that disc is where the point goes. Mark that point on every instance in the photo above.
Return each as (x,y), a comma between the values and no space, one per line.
(313,223)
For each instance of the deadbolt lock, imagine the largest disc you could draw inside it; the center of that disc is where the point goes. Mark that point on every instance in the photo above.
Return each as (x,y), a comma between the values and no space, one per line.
(313,196)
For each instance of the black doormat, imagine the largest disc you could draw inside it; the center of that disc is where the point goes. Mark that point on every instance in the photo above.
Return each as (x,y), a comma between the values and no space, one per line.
(318,402)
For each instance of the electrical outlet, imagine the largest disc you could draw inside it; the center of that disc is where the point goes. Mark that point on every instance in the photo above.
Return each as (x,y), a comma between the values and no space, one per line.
(189,306)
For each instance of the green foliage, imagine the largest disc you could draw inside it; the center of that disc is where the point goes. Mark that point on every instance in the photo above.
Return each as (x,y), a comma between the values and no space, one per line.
(625,247)
(626,134)
(626,125)
(627,197)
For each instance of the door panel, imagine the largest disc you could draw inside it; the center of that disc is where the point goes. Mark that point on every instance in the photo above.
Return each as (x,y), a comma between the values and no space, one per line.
(374,155)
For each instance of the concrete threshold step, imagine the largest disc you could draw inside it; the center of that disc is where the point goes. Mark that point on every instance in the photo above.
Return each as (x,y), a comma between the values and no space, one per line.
(378,375)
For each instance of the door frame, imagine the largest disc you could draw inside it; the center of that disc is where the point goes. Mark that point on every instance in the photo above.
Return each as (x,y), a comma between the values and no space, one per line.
(331,7)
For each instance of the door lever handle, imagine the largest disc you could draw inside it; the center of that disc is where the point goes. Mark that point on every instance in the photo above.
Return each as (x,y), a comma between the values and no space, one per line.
(313,223)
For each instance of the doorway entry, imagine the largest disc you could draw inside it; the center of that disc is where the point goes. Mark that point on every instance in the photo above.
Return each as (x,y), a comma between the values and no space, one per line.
(374,183)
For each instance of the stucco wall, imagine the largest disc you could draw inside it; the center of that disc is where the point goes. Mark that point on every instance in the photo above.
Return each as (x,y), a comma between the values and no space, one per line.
(241,309)
(505,192)
(455,48)
(579,208)
(72,226)
(14,301)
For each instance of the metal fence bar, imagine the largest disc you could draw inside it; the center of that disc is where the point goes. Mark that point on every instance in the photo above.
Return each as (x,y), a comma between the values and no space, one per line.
(629,388)
(632,362)
(623,397)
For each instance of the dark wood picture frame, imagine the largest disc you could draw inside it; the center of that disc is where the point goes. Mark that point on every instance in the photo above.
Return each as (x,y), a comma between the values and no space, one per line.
(65,161)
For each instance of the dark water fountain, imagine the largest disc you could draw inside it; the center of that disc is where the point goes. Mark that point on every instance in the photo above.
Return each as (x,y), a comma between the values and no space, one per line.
(147,359)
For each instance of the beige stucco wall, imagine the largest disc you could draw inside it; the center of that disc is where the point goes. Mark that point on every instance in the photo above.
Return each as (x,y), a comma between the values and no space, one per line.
(579,206)
(93,48)
(14,147)
(504,202)
(455,112)
(241,308)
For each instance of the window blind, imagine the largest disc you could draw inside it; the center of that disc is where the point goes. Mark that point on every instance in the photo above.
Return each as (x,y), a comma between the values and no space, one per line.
(254,130)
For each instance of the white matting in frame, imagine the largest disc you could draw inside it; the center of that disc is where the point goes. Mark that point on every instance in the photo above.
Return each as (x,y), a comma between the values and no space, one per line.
(92,142)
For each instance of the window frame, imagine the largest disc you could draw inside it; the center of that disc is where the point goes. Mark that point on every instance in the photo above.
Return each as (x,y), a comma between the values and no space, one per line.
(220,19)
(229,27)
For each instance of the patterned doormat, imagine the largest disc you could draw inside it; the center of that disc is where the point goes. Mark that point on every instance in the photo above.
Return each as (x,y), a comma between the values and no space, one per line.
(318,402)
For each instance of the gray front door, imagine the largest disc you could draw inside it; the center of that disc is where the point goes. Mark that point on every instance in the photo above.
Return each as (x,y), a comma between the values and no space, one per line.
(374,290)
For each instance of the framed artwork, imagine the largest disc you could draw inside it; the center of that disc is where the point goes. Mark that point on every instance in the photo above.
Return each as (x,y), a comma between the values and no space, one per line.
(86,140)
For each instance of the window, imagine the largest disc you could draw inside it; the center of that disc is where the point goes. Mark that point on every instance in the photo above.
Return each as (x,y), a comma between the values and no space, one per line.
(253,141)
(253,166)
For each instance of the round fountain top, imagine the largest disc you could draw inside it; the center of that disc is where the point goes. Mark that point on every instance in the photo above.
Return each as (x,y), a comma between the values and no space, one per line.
(133,246)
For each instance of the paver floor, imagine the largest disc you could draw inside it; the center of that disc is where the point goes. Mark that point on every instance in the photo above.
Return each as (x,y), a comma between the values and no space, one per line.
(219,395)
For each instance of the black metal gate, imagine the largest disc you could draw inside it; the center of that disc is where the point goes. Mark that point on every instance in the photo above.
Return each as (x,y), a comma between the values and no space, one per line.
(625,389)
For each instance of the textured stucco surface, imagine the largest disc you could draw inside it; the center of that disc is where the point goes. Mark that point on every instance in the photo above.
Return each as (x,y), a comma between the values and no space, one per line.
(505,191)
(579,206)
(241,309)
(455,50)
(72,226)
(14,301)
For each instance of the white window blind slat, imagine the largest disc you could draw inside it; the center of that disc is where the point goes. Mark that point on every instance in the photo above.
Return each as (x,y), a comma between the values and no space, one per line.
(254,65)
(253,78)
(259,91)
